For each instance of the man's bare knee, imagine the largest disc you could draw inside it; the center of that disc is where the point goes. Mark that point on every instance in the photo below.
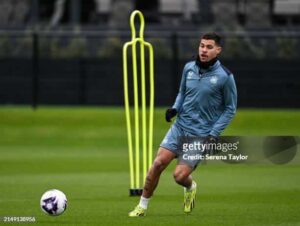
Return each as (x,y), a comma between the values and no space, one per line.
(162,160)
(181,174)
(180,177)
(158,165)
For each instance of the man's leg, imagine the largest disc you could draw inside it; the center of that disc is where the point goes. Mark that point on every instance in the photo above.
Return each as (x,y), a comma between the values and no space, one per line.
(182,176)
(162,160)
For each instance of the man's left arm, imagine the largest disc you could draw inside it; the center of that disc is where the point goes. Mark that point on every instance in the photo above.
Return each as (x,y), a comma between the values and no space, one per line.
(230,102)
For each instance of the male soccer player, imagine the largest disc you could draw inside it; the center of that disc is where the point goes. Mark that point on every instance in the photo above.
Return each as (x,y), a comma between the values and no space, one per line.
(204,106)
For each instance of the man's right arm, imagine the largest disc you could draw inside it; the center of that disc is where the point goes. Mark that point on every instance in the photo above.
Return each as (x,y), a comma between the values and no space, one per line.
(180,96)
(171,112)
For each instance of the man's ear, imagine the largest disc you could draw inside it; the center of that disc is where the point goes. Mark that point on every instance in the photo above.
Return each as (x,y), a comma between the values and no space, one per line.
(219,49)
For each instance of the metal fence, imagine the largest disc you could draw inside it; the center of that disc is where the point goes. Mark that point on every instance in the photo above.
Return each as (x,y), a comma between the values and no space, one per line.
(180,13)
(84,67)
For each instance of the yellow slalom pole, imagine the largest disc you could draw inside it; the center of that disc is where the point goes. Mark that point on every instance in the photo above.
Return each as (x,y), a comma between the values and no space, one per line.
(151,105)
(136,116)
(134,156)
(127,114)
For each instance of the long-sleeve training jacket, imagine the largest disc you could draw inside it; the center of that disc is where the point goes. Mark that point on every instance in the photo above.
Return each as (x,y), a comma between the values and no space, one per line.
(207,99)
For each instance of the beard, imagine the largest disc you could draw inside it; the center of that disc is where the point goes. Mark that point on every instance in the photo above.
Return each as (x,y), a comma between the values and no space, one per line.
(206,64)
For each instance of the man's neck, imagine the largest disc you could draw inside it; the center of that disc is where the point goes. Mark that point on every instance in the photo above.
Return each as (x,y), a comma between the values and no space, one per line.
(205,65)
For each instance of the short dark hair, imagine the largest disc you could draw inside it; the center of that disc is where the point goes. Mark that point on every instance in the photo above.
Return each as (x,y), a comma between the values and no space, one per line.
(212,36)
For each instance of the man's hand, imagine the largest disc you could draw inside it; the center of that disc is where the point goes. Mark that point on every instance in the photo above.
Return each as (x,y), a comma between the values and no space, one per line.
(170,113)
(208,140)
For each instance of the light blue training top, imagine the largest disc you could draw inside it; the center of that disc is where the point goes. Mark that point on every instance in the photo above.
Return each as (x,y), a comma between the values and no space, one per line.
(207,99)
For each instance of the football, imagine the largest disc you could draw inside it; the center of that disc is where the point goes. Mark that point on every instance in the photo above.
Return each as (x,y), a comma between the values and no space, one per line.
(53,202)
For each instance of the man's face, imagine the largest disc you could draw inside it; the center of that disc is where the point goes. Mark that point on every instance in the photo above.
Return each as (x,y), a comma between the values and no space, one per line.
(208,50)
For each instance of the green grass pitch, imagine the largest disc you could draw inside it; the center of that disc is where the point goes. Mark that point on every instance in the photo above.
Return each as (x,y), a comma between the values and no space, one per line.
(83,152)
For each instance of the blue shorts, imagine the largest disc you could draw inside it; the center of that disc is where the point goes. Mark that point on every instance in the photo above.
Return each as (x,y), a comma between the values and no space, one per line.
(174,142)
